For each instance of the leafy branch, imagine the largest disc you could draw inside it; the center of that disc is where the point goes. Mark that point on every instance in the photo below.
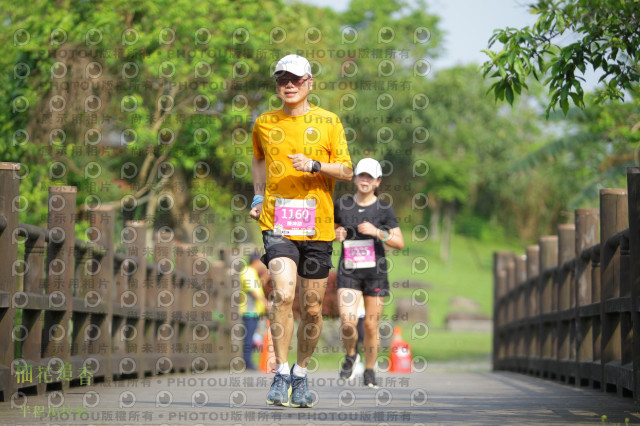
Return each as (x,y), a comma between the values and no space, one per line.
(608,41)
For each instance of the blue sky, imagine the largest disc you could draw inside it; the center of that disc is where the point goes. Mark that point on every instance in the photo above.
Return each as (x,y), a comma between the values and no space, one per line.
(468,25)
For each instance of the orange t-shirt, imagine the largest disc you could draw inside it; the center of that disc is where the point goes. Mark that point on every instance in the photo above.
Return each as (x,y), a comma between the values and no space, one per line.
(318,135)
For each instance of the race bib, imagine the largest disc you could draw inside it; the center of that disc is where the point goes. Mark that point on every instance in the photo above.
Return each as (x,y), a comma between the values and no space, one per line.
(295,217)
(359,254)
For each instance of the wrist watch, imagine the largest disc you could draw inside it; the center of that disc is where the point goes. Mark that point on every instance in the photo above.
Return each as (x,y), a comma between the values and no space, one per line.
(315,166)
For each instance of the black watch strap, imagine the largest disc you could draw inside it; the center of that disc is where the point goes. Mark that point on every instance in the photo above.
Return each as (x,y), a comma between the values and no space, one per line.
(315,166)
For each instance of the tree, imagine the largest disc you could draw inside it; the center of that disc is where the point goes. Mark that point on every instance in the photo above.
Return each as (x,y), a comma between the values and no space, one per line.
(607,39)
(380,88)
(592,151)
(160,97)
(140,92)
(471,145)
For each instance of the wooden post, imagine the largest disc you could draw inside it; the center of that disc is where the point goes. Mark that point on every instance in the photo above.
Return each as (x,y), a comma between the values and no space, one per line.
(9,191)
(164,301)
(179,321)
(149,313)
(499,289)
(187,256)
(34,248)
(199,309)
(587,235)
(83,337)
(626,375)
(596,378)
(633,187)
(566,252)
(56,341)
(587,225)
(521,280)
(613,218)
(123,362)
(102,225)
(533,306)
(204,303)
(223,281)
(217,353)
(509,309)
(565,324)
(548,261)
(190,305)
(626,323)
(135,296)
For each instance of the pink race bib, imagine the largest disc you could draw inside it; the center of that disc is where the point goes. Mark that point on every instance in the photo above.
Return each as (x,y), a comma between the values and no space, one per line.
(359,254)
(295,217)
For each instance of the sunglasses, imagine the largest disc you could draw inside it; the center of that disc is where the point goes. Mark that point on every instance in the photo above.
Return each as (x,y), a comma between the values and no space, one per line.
(296,81)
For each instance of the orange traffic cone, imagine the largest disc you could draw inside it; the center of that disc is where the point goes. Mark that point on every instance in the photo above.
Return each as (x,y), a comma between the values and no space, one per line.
(400,359)
(268,356)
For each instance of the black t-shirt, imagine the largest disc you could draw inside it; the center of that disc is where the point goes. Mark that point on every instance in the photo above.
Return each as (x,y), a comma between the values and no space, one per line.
(349,214)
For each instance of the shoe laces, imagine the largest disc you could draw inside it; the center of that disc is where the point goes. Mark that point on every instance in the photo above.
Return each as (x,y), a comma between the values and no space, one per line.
(299,384)
(280,382)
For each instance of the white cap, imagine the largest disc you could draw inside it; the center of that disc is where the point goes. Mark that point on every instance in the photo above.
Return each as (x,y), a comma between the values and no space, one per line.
(369,166)
(294,64)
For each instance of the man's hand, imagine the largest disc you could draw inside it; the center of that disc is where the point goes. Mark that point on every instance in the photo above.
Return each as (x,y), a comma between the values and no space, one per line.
(341,233)
(300,162)
(367,228)
(256,212)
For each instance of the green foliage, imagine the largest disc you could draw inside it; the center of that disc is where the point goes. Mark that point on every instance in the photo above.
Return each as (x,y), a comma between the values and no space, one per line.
(607,40)
(592,151)
(179,85)
(202,75)
(473,226)
(472,149)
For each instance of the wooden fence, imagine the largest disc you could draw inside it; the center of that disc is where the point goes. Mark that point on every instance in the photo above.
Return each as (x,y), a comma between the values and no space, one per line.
(73,311)
(568,309)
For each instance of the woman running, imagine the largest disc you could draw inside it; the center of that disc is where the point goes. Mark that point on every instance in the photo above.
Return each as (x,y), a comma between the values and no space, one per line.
(364,223)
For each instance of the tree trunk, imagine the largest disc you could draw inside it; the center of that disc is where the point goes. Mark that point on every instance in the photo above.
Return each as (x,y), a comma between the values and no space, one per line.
(447,232)
(434,220)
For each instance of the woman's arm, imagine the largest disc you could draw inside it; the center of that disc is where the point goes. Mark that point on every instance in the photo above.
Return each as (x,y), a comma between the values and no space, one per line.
(392,238)
(395,239)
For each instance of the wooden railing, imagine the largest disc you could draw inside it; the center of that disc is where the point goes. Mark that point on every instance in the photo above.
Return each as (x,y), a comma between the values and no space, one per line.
(74,311)
(568,308)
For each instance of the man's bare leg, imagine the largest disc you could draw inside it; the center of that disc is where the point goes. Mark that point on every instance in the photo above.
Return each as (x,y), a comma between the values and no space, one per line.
(283,274)
(311,297)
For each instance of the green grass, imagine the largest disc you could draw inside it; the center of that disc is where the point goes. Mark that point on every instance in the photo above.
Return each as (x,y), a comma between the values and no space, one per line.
(439,346)
(469,273)
(442,345)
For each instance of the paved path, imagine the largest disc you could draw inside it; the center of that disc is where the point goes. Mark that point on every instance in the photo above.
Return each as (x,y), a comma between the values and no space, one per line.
(437,396)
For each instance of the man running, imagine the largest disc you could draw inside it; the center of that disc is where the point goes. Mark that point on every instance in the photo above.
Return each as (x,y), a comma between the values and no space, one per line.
(299,152)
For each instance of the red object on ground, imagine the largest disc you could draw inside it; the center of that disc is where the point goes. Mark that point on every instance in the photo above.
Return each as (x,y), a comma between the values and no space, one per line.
(268,356)
(400,359)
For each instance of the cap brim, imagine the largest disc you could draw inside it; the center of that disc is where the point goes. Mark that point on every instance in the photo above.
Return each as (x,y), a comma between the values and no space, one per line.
(280,72)
(373,175)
